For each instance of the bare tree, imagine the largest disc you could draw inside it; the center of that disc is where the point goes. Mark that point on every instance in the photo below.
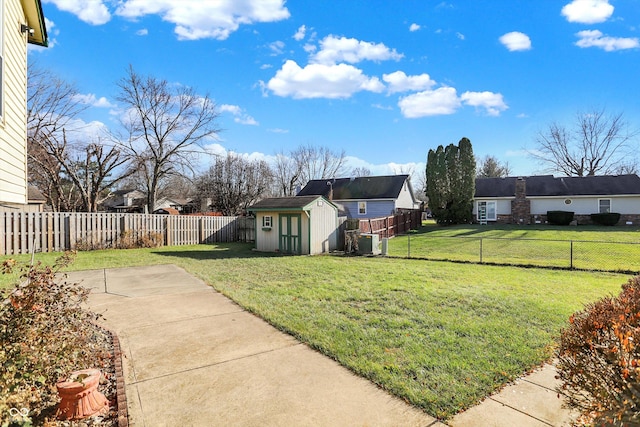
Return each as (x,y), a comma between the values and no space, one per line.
(166,126)
(287,174)
(318,163)
(597,143)
(358,172)
(296,168)
(71,175)
(234,182)
(491,167)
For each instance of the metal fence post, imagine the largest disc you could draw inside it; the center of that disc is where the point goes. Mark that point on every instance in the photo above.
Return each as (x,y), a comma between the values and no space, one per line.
(571,256)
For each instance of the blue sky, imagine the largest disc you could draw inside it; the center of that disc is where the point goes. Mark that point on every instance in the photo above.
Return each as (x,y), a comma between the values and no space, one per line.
(384,80)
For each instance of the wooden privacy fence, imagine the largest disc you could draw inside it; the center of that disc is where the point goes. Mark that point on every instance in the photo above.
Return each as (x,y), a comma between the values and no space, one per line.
(24,232)
(393,225)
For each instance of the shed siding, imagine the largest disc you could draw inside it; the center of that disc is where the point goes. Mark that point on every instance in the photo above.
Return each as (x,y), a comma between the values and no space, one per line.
(324,228)
(13,135)
(267,241)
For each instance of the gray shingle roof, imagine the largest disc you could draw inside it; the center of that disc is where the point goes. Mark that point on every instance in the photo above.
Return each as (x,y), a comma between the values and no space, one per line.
(365,187)
(548,185)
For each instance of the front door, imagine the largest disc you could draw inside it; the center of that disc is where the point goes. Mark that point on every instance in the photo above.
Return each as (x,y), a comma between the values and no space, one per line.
(290,230)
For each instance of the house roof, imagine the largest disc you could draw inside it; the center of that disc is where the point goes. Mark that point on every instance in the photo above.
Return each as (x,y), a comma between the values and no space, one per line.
(548,186)
(365,187)
(284,203)
(35,21)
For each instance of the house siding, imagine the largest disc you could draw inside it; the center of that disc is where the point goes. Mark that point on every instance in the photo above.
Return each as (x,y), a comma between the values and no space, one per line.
(405,199)
(375,208)
(586,205)
(13,136)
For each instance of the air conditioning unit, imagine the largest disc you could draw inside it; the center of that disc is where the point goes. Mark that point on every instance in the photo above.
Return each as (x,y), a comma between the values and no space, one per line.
(368,244)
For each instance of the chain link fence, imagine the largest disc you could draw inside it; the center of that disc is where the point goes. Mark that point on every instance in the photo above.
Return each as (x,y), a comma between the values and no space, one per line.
(567,254)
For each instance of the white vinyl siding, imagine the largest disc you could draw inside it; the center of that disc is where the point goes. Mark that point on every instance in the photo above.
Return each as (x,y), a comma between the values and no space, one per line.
(13,125)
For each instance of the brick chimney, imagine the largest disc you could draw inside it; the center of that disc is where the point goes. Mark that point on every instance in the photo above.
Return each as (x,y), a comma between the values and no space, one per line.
(520,205)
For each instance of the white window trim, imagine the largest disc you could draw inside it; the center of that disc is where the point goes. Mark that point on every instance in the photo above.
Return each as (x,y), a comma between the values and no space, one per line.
(495,210)
(365,208)
(610,206)
(267,221)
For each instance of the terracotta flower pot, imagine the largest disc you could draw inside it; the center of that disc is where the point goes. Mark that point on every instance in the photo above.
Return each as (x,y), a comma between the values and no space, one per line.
(80,396)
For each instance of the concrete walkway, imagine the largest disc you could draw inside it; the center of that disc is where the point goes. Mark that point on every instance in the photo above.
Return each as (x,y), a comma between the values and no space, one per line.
(195,358)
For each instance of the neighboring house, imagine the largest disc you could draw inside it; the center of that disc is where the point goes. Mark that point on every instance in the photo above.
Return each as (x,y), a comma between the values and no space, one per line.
(302,225)
(183,206)
(132,201)
(367,196)
(167,211)
(21,22)
(526,200)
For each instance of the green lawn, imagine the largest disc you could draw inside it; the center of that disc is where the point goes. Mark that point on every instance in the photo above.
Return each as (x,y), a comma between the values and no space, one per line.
(593,248)
(439,335)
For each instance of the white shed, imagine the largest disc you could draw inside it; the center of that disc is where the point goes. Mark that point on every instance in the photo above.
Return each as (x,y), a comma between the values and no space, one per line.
(303,225)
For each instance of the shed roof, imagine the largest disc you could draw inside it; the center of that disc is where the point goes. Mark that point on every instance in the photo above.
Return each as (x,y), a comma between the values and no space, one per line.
(548,185)
(364,187)
(286,203)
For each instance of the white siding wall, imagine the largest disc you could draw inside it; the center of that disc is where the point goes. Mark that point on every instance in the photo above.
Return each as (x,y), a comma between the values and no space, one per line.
(404,200)
(324,228)
(503,207)
(586,205)
(13,139)
(267,241)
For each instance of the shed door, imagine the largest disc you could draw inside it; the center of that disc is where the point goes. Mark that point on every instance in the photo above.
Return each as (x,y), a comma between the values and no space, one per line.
(290,231)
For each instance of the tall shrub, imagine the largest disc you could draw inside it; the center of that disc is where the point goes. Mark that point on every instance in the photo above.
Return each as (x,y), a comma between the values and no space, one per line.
(450,177)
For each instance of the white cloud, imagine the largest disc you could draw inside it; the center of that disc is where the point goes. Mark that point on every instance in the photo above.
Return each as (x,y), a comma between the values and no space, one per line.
(92,100)
(277,47)
(334,50)
(515,41)
(460,36)
(196,19)
(493,103)
(239,115)
(278,130)
(441,101)
(142,32)
(400,82)
(595,38)
(321,81)
(587,11)
(299,35)
(414,27)
(93,12)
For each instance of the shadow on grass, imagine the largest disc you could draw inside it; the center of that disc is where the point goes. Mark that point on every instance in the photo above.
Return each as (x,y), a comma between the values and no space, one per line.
(217,251)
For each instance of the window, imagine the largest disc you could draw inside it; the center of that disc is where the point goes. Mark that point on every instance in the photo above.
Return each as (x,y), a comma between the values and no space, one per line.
(604,205)
(362,208)
(267,221)
(487,211)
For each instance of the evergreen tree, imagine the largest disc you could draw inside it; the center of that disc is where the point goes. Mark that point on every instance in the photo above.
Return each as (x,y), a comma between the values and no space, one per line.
(451,173)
